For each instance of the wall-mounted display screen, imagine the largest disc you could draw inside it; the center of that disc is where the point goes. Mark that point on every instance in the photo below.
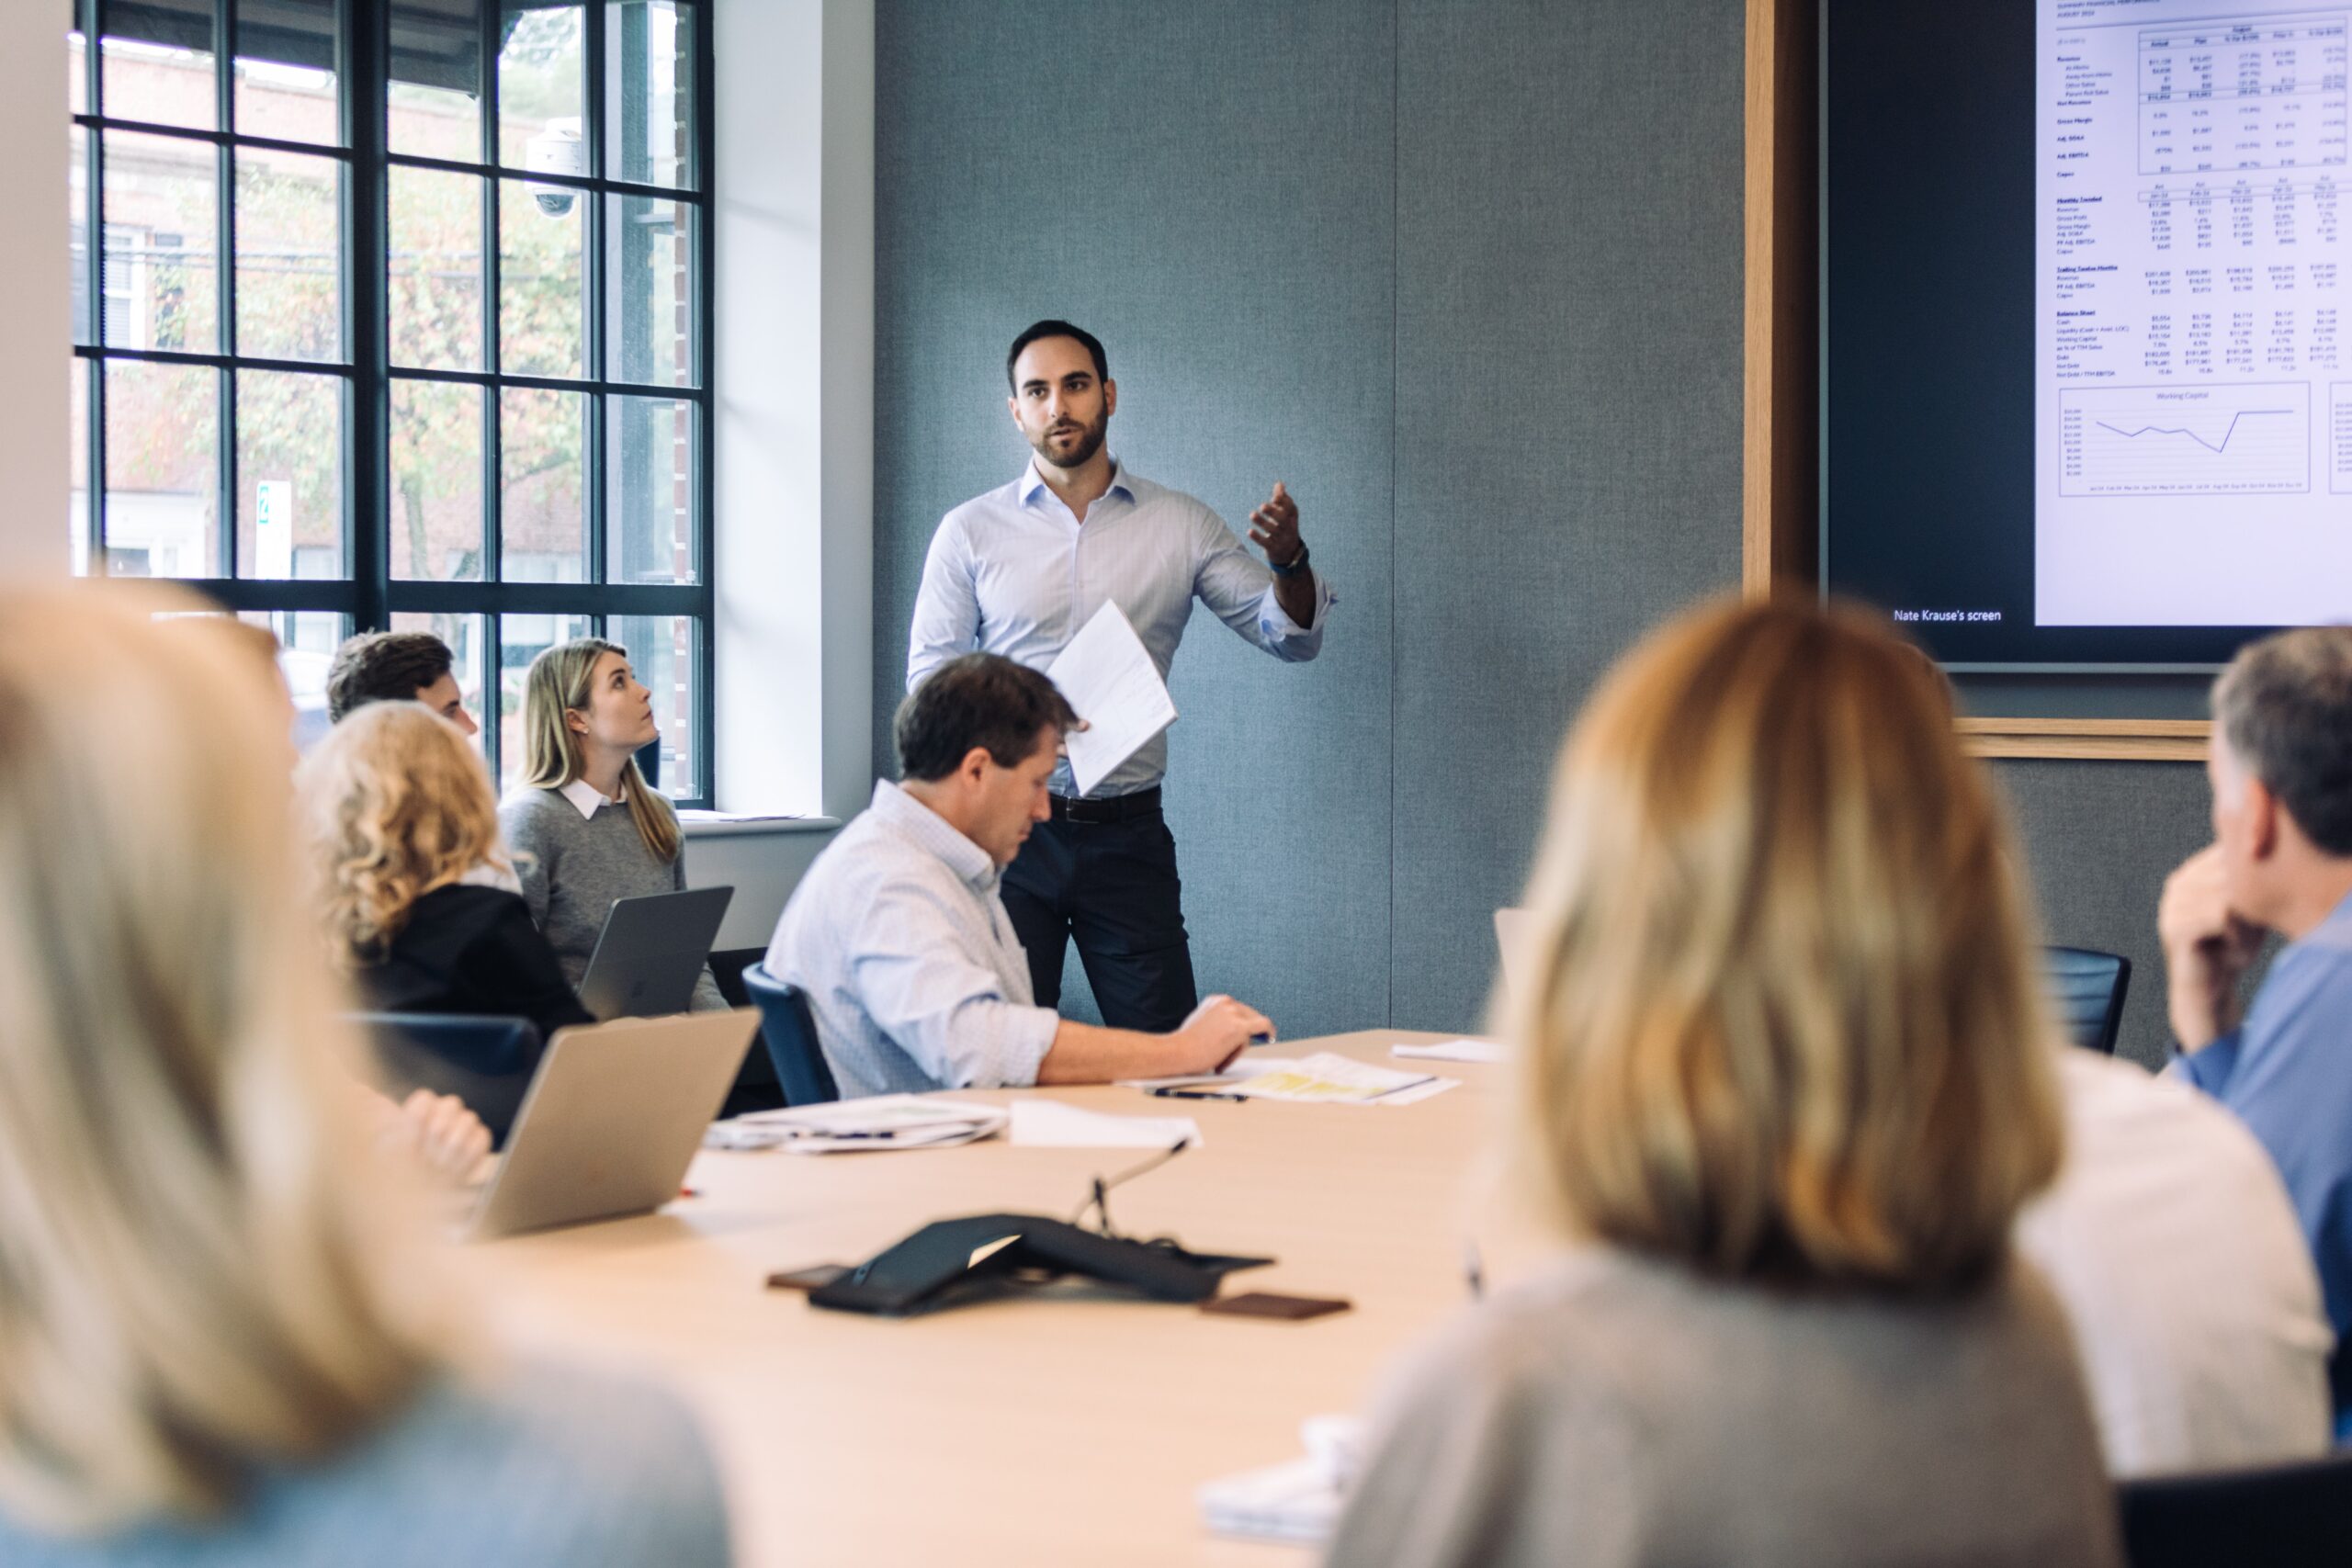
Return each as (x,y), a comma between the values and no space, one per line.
(2085,397)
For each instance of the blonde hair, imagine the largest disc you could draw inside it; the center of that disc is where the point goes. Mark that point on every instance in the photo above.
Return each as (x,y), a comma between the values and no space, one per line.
(558,682)
(192,1277)
(1785,1025)
(394,804)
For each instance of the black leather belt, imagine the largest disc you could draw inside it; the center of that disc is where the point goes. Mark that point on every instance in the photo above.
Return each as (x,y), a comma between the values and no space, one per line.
(1112,808)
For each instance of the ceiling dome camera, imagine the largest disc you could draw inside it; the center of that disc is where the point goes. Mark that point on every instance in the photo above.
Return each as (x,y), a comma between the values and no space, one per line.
(558,150)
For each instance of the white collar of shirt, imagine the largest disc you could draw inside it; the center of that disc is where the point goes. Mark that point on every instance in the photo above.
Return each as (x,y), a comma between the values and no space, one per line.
(1032,481)
(585,800)
(927,828)
(485,874)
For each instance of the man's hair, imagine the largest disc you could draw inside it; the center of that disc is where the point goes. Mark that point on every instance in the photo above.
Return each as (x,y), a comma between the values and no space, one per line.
(1047,329)
(977,699)
(2285,707)
(384,667)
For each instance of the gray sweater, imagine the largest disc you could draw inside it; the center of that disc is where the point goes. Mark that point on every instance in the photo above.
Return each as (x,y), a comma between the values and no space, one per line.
(573,867)
(547,1466)
(1619,1412)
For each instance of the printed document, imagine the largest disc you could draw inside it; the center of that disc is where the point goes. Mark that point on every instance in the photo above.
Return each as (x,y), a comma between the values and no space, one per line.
(1108,676)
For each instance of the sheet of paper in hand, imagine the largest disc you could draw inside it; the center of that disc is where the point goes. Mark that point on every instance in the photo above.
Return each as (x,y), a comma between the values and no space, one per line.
(1108,676)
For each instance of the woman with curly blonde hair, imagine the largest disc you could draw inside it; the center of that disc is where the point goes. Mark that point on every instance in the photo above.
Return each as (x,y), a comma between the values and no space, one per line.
(405,857)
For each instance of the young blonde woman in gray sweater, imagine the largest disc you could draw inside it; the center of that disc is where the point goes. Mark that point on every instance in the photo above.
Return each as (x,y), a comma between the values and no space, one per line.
(1786,1082)
(585,826)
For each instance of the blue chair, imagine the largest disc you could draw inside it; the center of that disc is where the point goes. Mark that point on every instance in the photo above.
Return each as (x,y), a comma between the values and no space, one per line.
(2086,987)
(791,1036)
(2294,1516)
(485,1061)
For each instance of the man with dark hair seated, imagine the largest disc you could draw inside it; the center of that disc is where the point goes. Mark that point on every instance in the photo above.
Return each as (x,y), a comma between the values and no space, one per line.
(397,667)
(897,936)
(2281,765)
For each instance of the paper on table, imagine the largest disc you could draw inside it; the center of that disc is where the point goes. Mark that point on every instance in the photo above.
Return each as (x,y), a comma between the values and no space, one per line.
(1328,1078)
(1456,1050)
(877,1122)
(1050,1124)
(1110,680)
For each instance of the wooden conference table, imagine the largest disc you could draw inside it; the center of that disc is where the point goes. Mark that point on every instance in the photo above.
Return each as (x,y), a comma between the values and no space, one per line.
(1060,1430)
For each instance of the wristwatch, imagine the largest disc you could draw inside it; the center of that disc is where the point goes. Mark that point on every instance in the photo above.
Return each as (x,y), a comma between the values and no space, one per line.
(1297,563)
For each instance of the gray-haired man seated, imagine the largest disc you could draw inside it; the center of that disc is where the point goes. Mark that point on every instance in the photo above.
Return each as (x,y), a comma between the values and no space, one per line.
(898,938)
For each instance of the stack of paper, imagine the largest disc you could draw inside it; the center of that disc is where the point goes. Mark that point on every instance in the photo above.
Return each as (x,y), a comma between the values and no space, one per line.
(1456,1050)
(1050,1124)
(1296,1502)
(847,1126)
(1328,1078)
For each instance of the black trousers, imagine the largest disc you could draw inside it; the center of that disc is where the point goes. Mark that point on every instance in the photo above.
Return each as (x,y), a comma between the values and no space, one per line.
(1113,886)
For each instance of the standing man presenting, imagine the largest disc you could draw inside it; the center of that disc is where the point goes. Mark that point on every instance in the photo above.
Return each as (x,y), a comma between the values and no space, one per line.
(1017,571)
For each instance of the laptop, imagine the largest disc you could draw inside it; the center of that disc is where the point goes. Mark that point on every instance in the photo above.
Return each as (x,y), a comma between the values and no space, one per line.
(613,1116)
(650,953)
(1515,935)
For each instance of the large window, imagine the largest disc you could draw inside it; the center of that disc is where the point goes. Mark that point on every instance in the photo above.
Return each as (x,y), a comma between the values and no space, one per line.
(394,313)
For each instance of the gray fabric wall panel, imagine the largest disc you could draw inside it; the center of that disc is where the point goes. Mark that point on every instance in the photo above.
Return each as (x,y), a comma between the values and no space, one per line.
(2101,837)
(1568,394)
(1468,279)
(1209,188)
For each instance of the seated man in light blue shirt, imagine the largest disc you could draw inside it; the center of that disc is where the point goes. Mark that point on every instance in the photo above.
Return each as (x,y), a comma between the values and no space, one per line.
(2281,765)
(900,943)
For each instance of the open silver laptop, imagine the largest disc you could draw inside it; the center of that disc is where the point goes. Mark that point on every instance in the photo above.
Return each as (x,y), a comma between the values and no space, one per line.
(613,1116)
(1515,935)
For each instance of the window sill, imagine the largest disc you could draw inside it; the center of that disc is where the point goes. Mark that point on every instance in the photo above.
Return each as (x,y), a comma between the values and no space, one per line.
(726,824)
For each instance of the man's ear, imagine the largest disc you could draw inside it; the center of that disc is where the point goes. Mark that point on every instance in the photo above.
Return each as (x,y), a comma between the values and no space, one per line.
(2263,814)
(1012,408)
(1110,397)
(974,768)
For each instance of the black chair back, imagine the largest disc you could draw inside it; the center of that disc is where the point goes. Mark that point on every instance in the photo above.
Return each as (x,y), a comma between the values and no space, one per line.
(2087,987)
(791,1036)
(485,1061)
(2296,1515)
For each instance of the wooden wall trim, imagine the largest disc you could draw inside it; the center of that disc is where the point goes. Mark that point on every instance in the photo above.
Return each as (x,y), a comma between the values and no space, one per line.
(2102,739)
(1781,445)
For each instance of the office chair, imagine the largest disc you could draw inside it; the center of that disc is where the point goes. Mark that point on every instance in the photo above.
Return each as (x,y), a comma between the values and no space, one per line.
(485,1061)
(2293,1516)
(2087,988)
(791,1036)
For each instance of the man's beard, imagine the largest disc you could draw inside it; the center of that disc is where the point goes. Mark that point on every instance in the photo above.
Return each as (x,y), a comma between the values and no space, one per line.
(1090,441)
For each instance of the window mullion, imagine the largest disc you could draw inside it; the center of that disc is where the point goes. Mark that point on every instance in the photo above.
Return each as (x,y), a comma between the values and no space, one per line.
(93,257)
(365,55)
(593,303)
(224,280)
(494,521)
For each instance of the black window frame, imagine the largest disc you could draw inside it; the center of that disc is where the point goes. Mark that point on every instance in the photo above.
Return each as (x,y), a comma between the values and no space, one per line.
(367,596)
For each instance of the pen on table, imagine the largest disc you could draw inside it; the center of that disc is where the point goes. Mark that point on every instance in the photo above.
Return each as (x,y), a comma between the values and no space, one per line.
(1171,1091)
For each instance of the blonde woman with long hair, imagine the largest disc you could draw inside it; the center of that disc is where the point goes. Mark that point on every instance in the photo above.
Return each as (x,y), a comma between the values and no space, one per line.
(405,857)
(1786,1083)
(216,1349)
(585,826)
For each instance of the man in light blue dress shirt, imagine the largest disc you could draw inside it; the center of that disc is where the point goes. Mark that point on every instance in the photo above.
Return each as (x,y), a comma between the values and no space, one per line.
(1017,571)
(900,944)
(2281,765)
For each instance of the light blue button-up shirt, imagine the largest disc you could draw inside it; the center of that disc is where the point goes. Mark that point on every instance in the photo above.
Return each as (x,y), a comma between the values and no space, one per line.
(1014,572)
(2287,1071)
(911,965)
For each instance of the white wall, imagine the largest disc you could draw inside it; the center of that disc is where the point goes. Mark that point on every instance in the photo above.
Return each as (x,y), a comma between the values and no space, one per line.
(35,301)
(794,395)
